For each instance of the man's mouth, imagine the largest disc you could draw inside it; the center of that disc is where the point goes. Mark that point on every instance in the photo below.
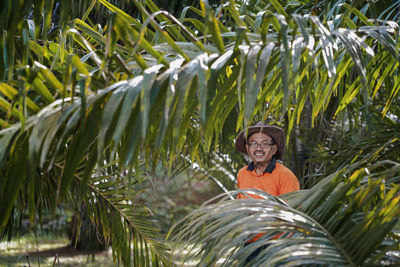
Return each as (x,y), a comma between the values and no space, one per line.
(259,153)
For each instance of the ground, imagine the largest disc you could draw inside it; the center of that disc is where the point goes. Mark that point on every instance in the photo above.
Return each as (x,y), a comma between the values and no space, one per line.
(50,251)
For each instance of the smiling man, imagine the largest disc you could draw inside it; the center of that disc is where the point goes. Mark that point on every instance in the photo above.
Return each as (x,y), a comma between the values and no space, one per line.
(264,144)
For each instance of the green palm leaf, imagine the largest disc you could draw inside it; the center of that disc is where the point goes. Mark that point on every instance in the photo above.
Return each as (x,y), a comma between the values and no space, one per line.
(338,222)
(171,90)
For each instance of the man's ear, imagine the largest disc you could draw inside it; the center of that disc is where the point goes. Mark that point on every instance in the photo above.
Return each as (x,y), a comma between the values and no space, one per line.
(247,148)
(274,149)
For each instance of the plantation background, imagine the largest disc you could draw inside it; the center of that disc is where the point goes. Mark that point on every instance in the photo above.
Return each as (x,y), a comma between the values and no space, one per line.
(119,117)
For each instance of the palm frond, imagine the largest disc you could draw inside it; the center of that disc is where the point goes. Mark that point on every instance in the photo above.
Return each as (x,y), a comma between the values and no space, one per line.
(114,204)
(164,89)
(338,222)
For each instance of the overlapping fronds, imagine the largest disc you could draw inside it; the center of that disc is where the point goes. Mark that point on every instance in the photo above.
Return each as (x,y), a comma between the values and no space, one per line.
(114,204)
(345,58)
(345,220)
(168,89)
(163,101)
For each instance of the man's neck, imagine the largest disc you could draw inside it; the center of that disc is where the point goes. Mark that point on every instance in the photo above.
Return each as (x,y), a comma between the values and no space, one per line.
(260,168)
(267,167)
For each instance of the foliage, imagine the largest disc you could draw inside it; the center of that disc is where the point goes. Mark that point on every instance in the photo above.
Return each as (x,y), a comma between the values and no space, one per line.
(87,109)
(344,220)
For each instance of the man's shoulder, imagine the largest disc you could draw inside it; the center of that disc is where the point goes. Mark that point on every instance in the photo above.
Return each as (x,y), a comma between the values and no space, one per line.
(280,166)
(243,170)
(283,169)
(287,179)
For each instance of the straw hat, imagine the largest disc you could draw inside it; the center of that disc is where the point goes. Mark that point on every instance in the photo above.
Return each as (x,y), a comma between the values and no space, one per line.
(276,134)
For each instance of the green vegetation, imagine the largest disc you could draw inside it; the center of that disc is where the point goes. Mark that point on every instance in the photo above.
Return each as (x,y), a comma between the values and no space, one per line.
(98,98)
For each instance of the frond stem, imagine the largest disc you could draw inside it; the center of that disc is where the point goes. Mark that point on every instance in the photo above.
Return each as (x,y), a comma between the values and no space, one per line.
(126,217)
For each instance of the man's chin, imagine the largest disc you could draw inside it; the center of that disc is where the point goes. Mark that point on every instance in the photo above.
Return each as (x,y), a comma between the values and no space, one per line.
(260,162)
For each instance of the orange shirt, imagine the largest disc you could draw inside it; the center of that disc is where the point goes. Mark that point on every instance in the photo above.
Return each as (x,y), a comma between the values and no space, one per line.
(280,181)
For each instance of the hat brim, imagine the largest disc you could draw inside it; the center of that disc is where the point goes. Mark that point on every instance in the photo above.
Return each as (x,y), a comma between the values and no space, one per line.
(276,134)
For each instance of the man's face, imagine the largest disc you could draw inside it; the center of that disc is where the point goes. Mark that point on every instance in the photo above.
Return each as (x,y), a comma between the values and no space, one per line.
(260,148)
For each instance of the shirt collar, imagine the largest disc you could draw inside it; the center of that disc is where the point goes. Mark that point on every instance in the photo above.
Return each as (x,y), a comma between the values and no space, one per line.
(271,166)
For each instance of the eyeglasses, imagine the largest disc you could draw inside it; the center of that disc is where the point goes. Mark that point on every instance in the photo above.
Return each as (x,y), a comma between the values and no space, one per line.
(263,144)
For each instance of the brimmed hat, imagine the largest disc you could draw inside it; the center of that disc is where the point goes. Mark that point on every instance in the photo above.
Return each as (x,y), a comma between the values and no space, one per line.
(275,132)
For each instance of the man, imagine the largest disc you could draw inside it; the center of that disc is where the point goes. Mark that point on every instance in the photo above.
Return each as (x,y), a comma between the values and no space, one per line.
(264,144)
